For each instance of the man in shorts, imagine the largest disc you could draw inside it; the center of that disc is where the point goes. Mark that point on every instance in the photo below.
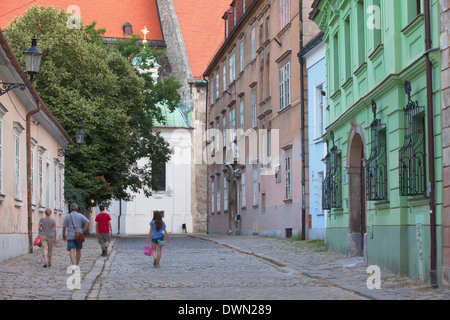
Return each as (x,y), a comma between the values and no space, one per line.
(103,230)
(74,222)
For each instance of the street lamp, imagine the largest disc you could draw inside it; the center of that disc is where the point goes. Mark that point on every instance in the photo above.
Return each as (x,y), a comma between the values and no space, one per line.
(33,58)
(79,138)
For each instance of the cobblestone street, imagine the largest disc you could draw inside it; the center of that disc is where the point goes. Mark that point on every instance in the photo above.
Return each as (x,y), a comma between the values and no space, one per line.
(205,267)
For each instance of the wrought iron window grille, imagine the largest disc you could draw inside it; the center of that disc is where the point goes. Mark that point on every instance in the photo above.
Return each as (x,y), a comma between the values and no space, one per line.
(412,156)
(332,184)
(376,165)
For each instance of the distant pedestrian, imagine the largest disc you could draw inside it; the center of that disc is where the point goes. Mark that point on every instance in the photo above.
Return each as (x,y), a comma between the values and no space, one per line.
(74,221)
(157,232)
(47,233)
(103,230)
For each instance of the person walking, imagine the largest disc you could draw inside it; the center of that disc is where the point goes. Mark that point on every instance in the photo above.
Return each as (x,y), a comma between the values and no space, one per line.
(74,221)
(157,232)
(47,233)
(103,230)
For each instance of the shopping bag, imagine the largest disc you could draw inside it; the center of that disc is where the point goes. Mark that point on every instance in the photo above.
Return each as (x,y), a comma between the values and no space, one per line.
(37,241)
(148,250)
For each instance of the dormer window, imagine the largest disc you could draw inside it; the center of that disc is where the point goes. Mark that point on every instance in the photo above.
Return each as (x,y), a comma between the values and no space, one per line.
(127,29)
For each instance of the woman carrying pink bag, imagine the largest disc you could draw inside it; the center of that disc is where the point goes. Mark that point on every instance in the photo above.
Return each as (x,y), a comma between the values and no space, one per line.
(157,233)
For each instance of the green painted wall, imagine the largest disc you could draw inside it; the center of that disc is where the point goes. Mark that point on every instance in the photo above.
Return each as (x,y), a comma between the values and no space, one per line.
(375,64)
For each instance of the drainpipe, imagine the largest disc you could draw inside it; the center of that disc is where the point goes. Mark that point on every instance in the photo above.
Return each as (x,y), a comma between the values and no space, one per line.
(302,128)
(29,195)
(207,168)
(430,127)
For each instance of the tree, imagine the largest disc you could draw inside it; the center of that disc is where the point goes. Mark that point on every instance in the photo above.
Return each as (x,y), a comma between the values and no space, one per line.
(83,82)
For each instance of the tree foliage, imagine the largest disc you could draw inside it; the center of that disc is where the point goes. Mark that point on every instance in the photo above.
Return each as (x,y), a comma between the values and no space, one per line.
(84,82)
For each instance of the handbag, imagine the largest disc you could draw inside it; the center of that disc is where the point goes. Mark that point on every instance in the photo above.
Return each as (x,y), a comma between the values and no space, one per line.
(37,241)
(79,236)
(148,250)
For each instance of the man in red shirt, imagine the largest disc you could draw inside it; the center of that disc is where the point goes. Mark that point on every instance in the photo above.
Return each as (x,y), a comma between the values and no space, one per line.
(103,230)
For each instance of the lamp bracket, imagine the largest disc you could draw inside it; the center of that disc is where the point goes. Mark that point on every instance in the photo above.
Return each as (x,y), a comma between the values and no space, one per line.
(7,86)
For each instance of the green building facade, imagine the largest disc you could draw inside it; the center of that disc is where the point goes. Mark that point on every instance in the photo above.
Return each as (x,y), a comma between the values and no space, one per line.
(377,189)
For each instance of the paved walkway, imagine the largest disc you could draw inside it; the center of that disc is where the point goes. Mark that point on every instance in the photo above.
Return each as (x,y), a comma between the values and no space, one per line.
(25,278)
(336,269)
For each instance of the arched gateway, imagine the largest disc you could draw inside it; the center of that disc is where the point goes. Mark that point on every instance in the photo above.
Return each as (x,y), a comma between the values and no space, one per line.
(356,191)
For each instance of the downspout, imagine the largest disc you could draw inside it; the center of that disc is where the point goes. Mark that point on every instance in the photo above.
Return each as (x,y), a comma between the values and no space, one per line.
(29,195)
(207,168)
(302,128)
(430,133)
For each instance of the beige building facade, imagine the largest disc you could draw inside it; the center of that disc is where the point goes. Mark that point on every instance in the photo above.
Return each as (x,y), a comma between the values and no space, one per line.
(254,113)
(20,127)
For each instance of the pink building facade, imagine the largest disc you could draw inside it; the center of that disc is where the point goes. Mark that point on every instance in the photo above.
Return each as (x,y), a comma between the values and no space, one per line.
(254,146)
(45,137)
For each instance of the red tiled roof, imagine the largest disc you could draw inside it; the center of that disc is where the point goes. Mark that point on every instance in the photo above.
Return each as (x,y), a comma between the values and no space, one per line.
(203,30)
(108,14)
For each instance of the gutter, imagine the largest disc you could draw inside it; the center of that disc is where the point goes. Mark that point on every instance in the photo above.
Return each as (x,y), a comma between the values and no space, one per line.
(430,133)
(207,167)
(302,125)
(29,187)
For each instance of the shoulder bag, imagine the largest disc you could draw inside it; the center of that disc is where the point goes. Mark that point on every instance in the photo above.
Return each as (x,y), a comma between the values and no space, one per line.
(79,236)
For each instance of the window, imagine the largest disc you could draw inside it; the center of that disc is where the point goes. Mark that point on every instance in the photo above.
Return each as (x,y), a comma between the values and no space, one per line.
(243,191)
(226,27)
(263,202)
(348,49)
(224,130)
(41,151)
(234,14)
(18,128)
(232,126)
(48,184)
(284,13)
(32,154)
(335,65)
(218,208)
(127,29)
(61,186)
(160,177)
(241,56)
(212,91)
(253,43)
(285,85)
(255,186)
(332,183)
(319,112)
(269,148)
(412,156)
(377,19)
(241,111)
(224,77)
(217,85)
(243,6)
(225,194)
(232,67)
(212,196)
(361,22)
(217,136)
(253,108)
(288,179)
(55,185)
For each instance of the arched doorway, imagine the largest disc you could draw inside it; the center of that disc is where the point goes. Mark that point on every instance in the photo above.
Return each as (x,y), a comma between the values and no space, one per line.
(356,192)
(234,197)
